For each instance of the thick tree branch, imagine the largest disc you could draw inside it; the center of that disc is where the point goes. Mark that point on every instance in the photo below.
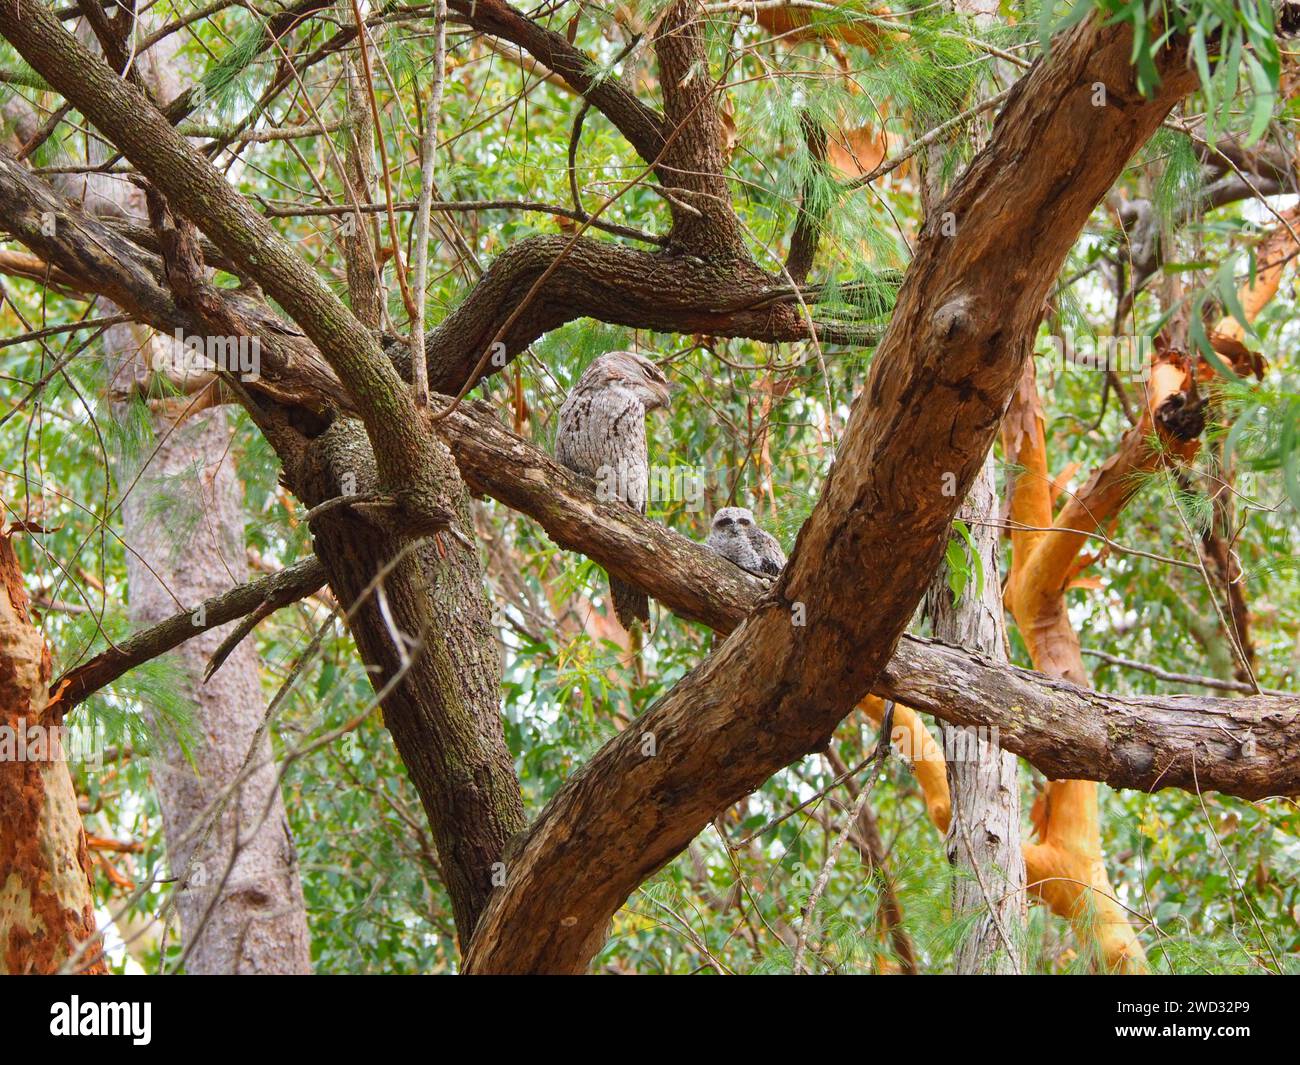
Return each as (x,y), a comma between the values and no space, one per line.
(1064,730)
(611,283)
(799,662)
(1244,747)
(692,164)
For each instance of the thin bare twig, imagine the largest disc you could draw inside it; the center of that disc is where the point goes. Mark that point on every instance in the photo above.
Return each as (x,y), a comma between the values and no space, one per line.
(428,144)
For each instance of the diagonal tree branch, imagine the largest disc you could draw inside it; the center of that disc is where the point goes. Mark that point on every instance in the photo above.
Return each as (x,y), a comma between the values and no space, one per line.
(196,190)
(704,222)
(641,125)
(619,285)
(267,594)
(778,686)
(1243,747)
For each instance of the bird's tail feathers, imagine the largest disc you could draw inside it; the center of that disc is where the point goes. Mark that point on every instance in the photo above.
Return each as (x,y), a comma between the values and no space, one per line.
(630,604)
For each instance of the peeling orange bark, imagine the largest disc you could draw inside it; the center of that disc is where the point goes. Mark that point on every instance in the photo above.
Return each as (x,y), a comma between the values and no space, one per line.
(802,24)
(922,753)
(1065,867)
(46,910)
(1271,259)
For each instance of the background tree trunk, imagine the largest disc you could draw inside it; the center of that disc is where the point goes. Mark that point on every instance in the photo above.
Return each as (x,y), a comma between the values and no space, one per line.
(983,835)
(441,694)
(1065,867)
(241,906)
(262,887)
(983,840)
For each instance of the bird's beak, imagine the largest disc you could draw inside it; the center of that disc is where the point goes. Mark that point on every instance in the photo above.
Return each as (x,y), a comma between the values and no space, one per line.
(663,393)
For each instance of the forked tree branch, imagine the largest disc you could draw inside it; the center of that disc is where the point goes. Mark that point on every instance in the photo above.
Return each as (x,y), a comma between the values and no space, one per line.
(920,430)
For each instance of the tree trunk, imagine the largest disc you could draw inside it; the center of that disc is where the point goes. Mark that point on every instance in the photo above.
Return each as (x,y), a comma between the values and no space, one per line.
(239,898)
(983,840)
(47,914)
(983,836)
(441,693)
(1065,867)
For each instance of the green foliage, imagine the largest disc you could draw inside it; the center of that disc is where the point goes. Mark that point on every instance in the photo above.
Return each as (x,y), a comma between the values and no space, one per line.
(759,424)
(965,566)
(1265,431)
(1180,180)
(1223,38)
(227,82)
(144,709)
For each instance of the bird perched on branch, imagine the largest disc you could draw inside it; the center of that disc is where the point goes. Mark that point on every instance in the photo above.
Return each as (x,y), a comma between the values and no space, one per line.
(737,538)
(602,435)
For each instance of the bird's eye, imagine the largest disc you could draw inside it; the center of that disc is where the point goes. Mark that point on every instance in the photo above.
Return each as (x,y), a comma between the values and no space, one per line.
(724,521)
(743,521)
(653,375)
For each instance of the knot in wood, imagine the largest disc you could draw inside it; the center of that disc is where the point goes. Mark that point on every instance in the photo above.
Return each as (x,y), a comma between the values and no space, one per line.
(953,321)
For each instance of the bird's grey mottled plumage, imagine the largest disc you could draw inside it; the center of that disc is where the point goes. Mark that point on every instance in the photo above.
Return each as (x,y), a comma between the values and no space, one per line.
(602,434)
(737,538)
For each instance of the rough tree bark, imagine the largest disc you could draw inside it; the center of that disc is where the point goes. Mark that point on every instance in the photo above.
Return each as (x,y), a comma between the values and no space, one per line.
(240,902)
(443,706)
(983,836)
(47,913)
(776,689)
